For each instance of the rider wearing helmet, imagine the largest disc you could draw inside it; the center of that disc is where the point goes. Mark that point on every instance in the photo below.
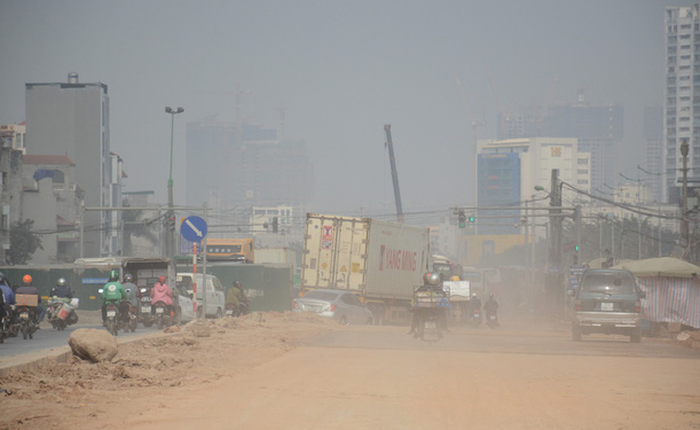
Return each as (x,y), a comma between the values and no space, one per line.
(491,304)
(161,292)
(113,291)
(132,291)
(62,289)
(432,281)
(28,289)
(235,296)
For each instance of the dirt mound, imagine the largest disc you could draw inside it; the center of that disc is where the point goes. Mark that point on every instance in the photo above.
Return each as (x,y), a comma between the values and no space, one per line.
(75,390)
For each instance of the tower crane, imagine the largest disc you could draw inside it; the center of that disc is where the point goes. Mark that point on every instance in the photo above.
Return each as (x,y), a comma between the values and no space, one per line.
(394,173)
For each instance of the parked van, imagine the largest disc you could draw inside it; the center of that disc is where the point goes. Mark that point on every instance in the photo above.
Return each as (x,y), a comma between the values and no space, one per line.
(216,298)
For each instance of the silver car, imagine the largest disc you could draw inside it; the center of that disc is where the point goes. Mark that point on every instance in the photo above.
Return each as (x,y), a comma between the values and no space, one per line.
(343,306)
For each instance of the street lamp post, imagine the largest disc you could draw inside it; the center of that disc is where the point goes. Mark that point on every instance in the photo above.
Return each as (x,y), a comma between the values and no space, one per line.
(170,236)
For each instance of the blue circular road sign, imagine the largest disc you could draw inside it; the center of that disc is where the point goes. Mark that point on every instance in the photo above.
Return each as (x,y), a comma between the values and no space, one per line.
(194,228)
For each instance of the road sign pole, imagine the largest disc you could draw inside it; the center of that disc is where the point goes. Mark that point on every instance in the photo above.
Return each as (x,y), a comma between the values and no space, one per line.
(194,282)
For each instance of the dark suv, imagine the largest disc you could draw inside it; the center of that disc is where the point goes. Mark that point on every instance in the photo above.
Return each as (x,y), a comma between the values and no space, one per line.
(607,301)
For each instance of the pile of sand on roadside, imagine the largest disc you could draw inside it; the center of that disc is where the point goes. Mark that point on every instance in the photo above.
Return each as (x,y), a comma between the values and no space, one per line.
(170,359)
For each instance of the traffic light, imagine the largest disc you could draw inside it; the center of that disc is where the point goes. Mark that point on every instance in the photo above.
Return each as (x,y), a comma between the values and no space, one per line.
(462,219)
(472,219)
(275,224)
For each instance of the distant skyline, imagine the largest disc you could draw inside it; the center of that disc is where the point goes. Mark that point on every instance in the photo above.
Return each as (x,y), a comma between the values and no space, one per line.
(340,71)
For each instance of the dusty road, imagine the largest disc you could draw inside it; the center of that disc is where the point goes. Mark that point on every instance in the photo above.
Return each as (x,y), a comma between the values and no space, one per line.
(300,373)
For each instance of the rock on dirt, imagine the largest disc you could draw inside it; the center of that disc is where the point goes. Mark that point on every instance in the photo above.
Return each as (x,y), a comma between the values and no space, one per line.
(94,345)
(689,339)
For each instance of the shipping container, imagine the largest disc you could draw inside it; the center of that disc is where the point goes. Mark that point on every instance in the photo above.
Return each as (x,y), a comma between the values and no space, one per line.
(381,262)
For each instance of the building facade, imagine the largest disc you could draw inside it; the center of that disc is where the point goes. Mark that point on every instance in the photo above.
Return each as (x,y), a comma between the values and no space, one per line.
(72,119)
(654,137)
(11,169)
(52,199)
(14,135)
(598,129)
(682,102)
(235,172)
(509,170)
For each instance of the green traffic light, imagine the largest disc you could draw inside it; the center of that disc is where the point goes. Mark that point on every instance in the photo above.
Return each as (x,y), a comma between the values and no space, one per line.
(472,218)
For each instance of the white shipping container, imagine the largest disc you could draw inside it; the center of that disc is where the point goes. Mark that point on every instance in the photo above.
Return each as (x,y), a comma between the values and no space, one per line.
(376,259)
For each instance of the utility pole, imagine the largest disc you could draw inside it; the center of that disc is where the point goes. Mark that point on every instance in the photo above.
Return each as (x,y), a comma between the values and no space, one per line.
(555,293)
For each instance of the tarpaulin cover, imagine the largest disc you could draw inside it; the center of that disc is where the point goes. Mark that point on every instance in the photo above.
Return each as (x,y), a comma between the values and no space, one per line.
(671,299)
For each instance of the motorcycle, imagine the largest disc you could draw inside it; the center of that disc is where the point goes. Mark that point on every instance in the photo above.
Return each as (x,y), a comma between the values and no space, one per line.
(62,314)
(112,314)
(232,310)
(145,308)
(476,318)
(27,325)
(128,320)
(161,314)
(10,325)
(491,318)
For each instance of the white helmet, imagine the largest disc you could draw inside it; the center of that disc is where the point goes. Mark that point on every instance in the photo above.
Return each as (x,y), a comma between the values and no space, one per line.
(434,279)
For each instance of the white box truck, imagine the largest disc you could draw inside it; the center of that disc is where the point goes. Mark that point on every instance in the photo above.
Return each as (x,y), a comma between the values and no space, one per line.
(382,262)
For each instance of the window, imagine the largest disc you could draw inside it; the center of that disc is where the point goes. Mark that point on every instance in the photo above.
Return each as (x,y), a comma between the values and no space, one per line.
(582,171)
(58,177)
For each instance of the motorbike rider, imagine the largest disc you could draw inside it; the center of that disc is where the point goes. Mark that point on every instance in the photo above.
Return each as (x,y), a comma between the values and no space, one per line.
(236,297)
(112,292)
(7,292)
(431,282)
(475,303)
(62,290)
(28,289)
(491,306)
(132,292)
(161,292)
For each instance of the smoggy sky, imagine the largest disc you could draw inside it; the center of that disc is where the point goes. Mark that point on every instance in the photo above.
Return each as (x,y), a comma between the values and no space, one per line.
(341,70)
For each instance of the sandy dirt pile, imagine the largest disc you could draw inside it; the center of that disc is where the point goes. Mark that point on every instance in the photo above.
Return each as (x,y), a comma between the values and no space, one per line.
(689,339)
(74,394)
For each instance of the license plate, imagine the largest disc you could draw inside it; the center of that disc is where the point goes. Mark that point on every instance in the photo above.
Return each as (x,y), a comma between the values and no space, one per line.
(24,315)
(111,313)
(159,310)
(146,299)
(145,309)
(229,312)
(430,324)
(606,306)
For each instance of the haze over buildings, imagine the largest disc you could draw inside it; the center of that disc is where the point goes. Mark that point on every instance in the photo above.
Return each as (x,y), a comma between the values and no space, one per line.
(340,72)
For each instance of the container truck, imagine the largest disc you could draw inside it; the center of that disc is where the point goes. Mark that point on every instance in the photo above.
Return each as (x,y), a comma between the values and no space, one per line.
(381,262)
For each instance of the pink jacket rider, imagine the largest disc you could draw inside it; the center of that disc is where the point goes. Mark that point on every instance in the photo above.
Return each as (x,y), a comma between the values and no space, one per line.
(161,293)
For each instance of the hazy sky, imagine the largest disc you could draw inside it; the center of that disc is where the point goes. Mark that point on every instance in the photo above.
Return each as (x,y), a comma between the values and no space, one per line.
(341,70)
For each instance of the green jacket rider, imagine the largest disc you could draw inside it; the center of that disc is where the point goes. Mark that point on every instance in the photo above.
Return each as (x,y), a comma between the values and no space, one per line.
(113,291)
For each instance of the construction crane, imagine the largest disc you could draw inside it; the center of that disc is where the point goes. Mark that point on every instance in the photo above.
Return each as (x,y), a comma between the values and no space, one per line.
(394,173)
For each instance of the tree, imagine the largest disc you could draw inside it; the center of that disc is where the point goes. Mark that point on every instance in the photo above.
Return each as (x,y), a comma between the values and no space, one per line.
(23,242)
